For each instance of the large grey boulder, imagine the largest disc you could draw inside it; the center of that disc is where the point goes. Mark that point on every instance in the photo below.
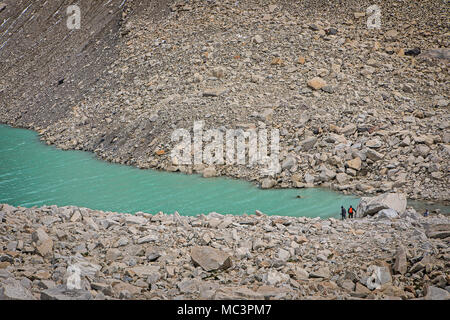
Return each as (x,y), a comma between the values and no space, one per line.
(387,214)
(435,293)
(438,231)
(272,278)
(12,289)
(372,205)
(210,258)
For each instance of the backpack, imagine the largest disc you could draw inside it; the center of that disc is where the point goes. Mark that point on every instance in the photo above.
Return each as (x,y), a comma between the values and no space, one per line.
(350,210)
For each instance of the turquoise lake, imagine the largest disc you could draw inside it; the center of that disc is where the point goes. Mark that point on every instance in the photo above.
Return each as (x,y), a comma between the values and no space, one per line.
(35,174)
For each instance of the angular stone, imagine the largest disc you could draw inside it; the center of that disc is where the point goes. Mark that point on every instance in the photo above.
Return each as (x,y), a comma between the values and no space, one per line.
(188,285)
(76,216)
(283,255)
(258,39)
(342,178)
(130,219)
(323,272)
(308,143)
(374,143)
(270,292)
(327,174)
(152,237)
(144,271)
(348,285)
(214,92)
(42,242)
(12,289)
(288,163)
(438,231)
(374,155)
(401,263)
(210,258)
(354,163)
(237,293)
(113,255)
(209,172)
(272,278)
(301,274)
(379,277)
(316,83)
(372,205)
(268,183)
(62,293)
(387,214)
(435,293)
(121,286)
(87,269)
(309,179)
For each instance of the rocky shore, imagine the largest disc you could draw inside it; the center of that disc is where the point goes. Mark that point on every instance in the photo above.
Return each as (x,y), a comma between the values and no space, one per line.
(43,251)
(362,111)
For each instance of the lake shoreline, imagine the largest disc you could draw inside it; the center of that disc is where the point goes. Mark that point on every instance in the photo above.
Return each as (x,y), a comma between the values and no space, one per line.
(418,204)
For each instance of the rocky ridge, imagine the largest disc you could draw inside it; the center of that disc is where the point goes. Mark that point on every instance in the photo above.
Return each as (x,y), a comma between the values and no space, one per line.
(214,256)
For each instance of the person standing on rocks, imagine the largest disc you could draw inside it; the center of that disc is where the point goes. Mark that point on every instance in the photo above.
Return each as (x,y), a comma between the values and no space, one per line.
(426,213)
(350,212)
(343,212)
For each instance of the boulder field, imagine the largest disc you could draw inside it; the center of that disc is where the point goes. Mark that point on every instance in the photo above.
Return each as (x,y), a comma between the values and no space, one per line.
(59,253)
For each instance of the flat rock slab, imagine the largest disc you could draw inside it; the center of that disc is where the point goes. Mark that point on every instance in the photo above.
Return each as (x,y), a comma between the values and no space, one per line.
(144,271)
(438,53)
(372,205)
(13,290)
(237,293)
(62,293)
(214,92)
(321,273)
(439,231)
(210,259)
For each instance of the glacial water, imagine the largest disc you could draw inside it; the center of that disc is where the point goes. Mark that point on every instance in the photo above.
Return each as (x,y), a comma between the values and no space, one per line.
(35,174)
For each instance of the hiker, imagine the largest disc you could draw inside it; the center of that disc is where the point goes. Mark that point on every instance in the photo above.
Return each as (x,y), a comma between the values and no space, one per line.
(350,212)
(426,213)
(343,212)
